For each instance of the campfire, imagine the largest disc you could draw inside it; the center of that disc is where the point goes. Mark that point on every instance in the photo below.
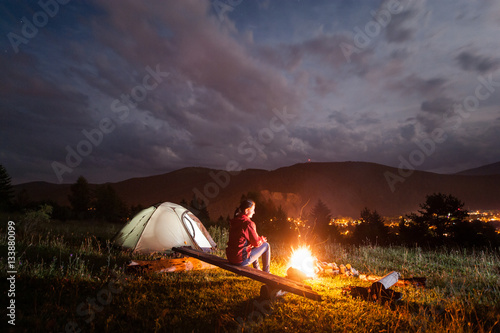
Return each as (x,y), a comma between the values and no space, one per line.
(303,264)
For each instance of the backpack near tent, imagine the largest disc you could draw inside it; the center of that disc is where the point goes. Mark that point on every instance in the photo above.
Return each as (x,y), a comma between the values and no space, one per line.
(161,227)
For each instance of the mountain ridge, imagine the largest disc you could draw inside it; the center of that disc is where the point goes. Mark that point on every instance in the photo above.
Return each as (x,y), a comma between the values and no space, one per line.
(485,170)
(345,187)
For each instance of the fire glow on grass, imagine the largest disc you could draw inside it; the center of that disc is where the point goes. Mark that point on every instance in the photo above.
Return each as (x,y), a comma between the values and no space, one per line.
(303,260)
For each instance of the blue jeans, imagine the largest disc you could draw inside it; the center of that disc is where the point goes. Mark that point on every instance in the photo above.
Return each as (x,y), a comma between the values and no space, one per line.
(265,251)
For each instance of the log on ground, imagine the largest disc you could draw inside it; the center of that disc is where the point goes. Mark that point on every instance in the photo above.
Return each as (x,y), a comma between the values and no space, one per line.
(167,265)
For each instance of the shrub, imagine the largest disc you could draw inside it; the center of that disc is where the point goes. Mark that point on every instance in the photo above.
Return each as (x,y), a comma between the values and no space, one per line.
(32,218)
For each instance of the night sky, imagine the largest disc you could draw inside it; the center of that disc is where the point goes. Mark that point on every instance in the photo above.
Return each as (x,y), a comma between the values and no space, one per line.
(118,89)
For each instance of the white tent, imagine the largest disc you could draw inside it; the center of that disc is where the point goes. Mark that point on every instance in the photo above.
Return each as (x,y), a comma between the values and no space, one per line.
(161,227)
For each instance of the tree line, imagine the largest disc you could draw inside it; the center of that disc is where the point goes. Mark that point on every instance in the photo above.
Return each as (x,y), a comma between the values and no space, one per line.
(441,219)
(86,202)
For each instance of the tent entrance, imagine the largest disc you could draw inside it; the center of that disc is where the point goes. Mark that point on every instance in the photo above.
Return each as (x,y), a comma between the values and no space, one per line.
(195,231)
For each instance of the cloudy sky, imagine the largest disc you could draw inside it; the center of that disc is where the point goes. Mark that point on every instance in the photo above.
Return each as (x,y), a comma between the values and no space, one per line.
(118,89)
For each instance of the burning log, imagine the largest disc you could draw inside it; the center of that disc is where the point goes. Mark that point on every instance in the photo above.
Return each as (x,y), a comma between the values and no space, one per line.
(303,263)
(296,274)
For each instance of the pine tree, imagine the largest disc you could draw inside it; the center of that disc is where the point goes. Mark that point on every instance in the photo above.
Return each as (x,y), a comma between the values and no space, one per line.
(441,212)
(436,222)
(321,217)
(6,189)
(80,197)
(371,229)
(200,210)
(109,205)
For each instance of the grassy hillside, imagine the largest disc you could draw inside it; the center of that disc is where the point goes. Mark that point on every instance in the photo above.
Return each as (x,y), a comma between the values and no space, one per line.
(69,278)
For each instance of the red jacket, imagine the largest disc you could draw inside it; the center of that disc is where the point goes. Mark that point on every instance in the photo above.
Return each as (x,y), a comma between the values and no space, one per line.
(242,237)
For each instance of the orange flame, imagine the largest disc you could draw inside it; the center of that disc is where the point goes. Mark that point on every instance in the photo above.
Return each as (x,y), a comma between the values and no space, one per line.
(303,260)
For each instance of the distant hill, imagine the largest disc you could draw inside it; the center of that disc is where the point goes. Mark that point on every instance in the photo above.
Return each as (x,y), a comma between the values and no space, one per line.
(38,191)
(345,187)
(485,170)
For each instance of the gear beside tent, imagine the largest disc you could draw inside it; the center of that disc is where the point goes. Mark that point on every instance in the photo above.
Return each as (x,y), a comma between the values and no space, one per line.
(161,227)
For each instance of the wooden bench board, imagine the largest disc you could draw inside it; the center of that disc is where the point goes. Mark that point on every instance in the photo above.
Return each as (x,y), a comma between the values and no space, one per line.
(274,281)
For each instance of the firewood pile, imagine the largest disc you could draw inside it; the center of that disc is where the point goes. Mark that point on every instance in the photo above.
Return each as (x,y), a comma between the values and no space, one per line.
(325,269)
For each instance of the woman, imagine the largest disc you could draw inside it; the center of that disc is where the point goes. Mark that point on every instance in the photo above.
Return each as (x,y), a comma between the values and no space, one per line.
(245,246)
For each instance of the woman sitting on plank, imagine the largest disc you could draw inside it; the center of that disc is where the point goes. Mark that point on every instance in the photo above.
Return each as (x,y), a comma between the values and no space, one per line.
(245,246)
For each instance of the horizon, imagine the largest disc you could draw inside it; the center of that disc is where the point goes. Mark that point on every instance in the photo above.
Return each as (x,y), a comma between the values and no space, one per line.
(268,170)
(264,84)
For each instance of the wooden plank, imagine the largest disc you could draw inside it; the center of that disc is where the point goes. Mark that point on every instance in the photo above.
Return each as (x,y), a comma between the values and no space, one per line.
(273,281)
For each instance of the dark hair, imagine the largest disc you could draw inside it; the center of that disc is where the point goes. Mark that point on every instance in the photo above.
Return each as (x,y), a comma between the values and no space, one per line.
(244,204)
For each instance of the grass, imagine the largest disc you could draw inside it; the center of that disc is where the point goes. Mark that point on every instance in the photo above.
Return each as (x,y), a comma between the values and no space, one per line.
(70,278)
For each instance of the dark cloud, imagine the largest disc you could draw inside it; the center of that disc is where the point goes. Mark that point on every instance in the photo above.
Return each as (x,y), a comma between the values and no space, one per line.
(471,62)
(414,84)
(368,118)
(339,117)
(398,31)
(432,115)
(437,106)
(408,131)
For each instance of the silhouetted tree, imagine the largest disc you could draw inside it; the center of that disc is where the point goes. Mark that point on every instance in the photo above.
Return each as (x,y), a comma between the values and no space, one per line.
(279,227)
(80,198)
(441,212)
(223,222)
(108,205)
(199,209)
(475,234)
(436,222)
(6,190)
(371,228)
(413,230)
(320,219)
(184,203)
